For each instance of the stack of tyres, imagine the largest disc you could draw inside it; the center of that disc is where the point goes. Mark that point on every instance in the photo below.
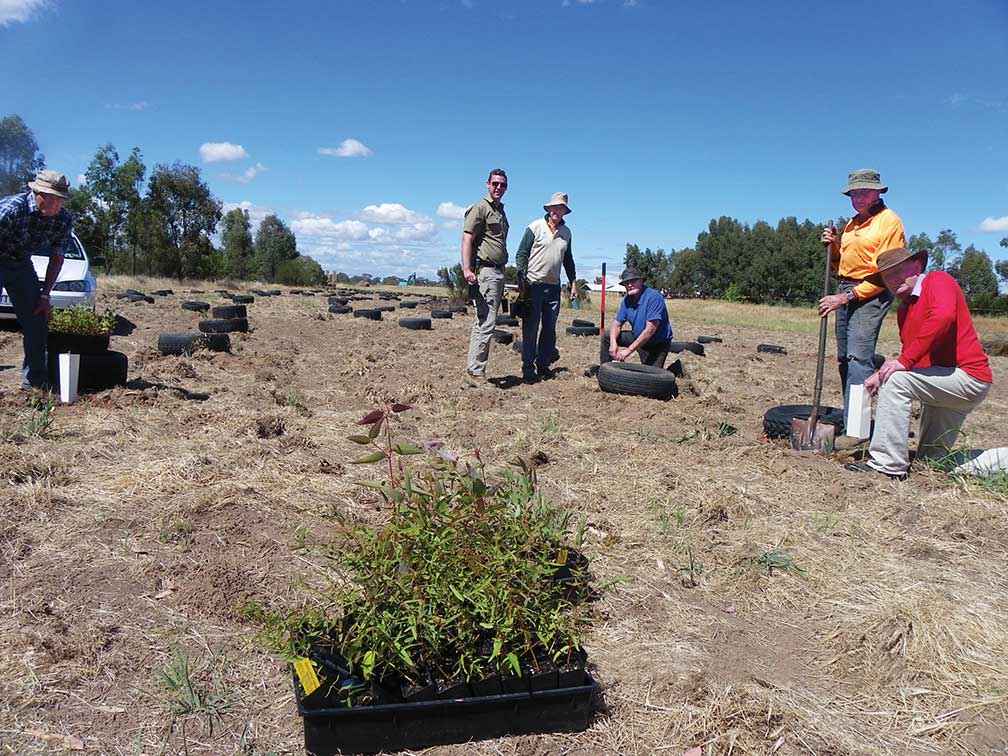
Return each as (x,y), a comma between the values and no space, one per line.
(100,368)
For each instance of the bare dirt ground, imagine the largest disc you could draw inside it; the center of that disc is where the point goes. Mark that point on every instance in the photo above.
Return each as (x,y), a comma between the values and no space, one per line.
(756,601)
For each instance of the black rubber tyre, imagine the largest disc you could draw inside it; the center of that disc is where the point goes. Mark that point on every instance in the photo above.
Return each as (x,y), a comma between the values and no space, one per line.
(217,342)
(217,325)
(240,324)
(686,346)
(243,299)
(338,300)
(502,337)
(196,306)
(416,324)
(178,343)
(226,312)
(164,293)
(385,308)
(709,339)
(459,309)
(771,349)
(583,323)
(337,309)
(578,330)
(275,292)
(777,420)
(407,305)
(637,380)
(139,298)
(369,314)
(507,320)
(441,314)
(97,371)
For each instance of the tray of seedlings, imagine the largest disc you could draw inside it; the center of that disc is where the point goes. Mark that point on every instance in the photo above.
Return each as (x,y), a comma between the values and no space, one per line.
(460,617)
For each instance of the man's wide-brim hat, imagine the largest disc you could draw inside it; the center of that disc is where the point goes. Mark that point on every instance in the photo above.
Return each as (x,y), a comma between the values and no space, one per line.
(556,200)
(629,274)
(890,258)
(50,182)
(866,178)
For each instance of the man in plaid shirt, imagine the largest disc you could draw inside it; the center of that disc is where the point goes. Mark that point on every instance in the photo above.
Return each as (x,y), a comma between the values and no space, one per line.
(34,223)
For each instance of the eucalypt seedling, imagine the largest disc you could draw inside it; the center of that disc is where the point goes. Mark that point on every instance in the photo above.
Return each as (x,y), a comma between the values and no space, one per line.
(376,421)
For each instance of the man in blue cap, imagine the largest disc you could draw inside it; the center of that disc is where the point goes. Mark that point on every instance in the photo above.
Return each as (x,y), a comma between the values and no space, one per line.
(650,331)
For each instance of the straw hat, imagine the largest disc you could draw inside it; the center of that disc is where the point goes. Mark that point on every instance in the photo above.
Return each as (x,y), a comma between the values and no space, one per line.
(560,198)
(50,182)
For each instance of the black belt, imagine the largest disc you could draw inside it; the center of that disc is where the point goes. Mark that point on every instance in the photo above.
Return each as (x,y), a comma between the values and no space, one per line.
(485,264)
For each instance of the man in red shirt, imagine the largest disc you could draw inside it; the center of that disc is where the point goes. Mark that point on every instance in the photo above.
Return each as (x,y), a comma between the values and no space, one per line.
(941,364)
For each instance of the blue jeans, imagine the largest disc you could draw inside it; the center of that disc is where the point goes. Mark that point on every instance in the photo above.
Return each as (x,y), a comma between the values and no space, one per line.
(23,289)
(539,327)
(857,329)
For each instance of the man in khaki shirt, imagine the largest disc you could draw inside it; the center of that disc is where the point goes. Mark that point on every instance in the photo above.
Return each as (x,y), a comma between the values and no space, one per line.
(484,255)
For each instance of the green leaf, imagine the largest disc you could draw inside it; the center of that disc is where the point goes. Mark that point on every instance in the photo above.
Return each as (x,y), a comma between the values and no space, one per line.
(368,664)
(407,448)
(373,431)
(368,459)
(362,440)
(513,661)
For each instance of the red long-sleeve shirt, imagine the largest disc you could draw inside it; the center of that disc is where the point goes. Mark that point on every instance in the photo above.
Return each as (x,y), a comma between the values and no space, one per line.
(937,331)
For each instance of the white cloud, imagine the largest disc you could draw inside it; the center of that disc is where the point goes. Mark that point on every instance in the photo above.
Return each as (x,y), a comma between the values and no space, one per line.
(994,224)
(19,11)
(349,148)
(247,175)
(451,210)
(378,233)
(141,105)
(422,231)
(326,228)
(216,152)
(390,212)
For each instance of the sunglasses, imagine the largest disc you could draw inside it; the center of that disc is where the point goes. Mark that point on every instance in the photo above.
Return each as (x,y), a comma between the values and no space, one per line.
(498,183)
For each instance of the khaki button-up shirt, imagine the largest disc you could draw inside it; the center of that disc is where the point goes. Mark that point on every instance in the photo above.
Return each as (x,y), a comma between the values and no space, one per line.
(488,224)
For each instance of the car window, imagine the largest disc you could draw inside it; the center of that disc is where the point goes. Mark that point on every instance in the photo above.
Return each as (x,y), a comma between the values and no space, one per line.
(73,250)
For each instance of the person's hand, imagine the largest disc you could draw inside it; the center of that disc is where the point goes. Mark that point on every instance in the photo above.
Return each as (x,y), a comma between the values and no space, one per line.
(889,367)
(43,307)
(469,276)
(622,354)
(613,350)
(872,384)
(829,235)
(831,302)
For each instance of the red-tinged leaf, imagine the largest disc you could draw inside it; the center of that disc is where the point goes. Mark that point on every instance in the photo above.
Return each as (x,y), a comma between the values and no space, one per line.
(407,449)
(374,430)
(371,417)
(368,459)
(401,407)
(362,440)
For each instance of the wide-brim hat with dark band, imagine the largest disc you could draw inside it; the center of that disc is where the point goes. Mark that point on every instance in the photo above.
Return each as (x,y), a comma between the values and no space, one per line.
(865,178)
(50,182)
(890,258)
(557,199)
(628,274)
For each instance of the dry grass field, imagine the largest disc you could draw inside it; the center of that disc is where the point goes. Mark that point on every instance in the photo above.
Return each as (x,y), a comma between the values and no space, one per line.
(755,601)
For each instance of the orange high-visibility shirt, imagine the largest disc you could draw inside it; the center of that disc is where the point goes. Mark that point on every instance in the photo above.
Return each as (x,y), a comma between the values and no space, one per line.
(861,243)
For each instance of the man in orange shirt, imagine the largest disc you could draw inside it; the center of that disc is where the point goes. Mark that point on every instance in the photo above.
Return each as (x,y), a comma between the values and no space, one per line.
(861,301)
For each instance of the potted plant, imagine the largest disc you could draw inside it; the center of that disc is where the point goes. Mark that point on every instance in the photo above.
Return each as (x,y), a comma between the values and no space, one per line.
(80,330)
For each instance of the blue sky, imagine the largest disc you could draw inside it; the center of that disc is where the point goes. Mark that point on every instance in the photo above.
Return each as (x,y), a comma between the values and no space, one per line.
(369,125)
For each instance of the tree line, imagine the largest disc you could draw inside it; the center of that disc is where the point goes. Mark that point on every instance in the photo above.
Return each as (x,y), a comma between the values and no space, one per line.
(163,224)
(784,264)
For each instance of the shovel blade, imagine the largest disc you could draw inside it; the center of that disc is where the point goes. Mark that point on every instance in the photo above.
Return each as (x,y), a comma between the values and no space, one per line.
(820,439)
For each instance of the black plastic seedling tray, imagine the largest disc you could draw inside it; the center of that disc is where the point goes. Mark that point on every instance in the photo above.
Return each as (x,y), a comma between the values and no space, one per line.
(397,727)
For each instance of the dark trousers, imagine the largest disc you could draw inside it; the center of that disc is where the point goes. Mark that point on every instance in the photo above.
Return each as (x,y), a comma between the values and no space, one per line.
(542,308)
(650,353)
(23,289)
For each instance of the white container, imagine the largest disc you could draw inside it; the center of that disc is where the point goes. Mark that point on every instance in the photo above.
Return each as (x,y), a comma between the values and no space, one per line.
(987,463)
(69,370)
(858,420)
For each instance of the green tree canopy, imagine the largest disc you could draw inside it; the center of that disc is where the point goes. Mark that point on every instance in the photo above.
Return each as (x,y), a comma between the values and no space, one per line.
(236,239)
(975,274)
(301,271)
(183,215)
(275,244)
(19,155)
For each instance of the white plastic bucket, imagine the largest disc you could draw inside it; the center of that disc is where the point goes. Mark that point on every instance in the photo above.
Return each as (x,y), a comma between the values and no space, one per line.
(69,370)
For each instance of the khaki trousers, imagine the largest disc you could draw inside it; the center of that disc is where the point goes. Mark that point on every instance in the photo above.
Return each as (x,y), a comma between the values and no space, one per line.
(490,284)
(947,395)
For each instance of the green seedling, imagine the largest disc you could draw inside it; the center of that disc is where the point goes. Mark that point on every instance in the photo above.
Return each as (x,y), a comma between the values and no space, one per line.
(184,695)
(82,321)
(778,560)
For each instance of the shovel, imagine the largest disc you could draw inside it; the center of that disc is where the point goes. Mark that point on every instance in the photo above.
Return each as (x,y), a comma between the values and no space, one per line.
(811,435)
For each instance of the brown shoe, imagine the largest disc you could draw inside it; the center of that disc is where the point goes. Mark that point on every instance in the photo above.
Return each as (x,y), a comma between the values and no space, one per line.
(847,443)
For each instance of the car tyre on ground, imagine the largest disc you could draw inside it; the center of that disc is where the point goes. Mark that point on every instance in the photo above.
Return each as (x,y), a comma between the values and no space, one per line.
(196,306)
(637,380)
(777,420)
(416,324)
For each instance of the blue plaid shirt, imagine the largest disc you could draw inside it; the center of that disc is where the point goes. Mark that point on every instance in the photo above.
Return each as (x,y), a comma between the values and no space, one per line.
(24,231)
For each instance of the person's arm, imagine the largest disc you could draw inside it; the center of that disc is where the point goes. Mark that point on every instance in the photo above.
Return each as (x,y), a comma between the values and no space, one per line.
(523,253)
(472,225)
(939,319)
(614,330)
(644,338)
(44,306)
(568,264)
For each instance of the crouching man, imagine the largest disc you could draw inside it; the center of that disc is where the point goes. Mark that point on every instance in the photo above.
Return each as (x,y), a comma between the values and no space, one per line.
(942,365)
(650,333)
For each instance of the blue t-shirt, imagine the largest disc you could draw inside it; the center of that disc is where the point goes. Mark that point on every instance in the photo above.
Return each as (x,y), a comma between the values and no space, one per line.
(650,305)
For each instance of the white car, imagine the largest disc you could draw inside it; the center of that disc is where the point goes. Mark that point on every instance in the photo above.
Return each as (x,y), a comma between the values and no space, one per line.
(75,286)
